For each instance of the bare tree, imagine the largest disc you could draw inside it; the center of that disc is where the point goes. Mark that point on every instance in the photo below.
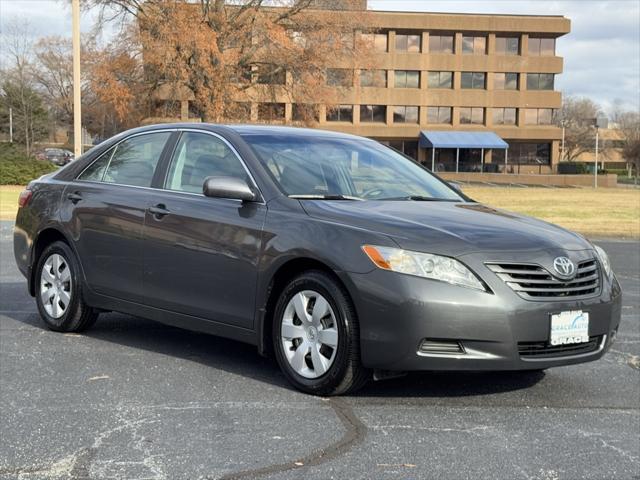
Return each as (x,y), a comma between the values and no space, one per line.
(18,87)
(628,124)
(577,116)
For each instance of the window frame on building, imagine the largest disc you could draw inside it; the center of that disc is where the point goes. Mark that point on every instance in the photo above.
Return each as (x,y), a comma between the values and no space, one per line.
(310,107)
(500,114)
(529,114)
(332,77)
(399,73)
(478,45)
(497,83)
(375,39)
(373,78)
(403,44)
(440,49)
(537,47)
(400,114)
(534,81)
(379,117)
(439,82)
(269,78)
(439,117)
(273,107)
(473,111)
(506,50)
(475,79)
(339,113)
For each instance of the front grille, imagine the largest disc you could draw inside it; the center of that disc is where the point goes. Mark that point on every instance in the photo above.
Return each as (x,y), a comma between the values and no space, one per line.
(533,282)
(546,350)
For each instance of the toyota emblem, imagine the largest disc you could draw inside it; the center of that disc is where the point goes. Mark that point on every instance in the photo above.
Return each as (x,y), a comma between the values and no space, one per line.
(564,266)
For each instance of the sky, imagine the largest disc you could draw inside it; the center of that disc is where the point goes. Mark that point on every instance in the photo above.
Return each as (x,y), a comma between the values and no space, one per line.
(601,54)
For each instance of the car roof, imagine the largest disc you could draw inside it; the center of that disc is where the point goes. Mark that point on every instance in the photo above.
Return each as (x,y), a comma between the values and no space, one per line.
(247,130)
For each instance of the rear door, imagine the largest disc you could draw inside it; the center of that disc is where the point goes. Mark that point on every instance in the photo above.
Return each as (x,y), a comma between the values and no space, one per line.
(201,253)
(104,210)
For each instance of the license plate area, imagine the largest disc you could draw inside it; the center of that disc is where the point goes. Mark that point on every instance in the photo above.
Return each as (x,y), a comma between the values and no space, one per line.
(569,327)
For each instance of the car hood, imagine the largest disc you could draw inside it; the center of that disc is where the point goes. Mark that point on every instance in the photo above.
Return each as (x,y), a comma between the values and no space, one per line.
(449,228)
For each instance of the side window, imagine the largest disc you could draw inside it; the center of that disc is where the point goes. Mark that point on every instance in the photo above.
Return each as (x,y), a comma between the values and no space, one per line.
(134,160)
(95,171)
(198,156)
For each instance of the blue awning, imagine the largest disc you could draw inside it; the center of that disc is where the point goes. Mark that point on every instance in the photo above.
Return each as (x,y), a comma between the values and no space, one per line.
(461,140)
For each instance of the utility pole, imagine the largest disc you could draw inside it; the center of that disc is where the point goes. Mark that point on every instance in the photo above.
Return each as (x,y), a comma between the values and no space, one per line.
(10,124)
(600,122)
(596,167)
(562,153)
(77,111)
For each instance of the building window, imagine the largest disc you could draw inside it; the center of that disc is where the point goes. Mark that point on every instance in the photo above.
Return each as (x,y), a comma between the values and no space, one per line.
(505,81)
(472,115)
(542,47)
(540,81)
(378,41)
(538,116)
(505,116)
(474,80)
(271,112)
(530,153)
(407,79)
(340,113)
(373,113)
(373,78)
(474,45)
(238,111)
(408,147)
(270,75)
(405,114)
(339,77)
(304,112)
(440,79)
(507,45)
(439,115)
(441,43)
(408,43)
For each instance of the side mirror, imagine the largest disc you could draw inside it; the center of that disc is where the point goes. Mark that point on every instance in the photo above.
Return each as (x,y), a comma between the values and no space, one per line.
(228,187)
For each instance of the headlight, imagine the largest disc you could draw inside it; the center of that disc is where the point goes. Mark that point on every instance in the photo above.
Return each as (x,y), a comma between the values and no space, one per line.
(604,260)
(424,265)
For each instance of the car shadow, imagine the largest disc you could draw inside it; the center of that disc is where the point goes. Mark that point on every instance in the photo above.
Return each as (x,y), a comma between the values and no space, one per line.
(242,359)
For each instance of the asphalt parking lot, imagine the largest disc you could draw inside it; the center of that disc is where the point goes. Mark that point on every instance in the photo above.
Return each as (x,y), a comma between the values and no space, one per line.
(132,399)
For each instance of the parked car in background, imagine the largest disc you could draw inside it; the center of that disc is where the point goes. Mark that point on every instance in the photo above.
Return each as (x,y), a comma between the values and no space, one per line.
(339,256)
(58,156)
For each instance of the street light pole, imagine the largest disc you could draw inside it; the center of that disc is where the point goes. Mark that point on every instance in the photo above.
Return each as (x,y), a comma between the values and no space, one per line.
(596,167)
(562,153)
(77,111)
(10,124)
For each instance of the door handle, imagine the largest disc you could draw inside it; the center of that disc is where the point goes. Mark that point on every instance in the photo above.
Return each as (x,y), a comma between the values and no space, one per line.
(74,197)
(159,210)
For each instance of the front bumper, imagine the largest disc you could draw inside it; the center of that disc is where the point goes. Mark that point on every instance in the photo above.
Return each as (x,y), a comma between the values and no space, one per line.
(397,312)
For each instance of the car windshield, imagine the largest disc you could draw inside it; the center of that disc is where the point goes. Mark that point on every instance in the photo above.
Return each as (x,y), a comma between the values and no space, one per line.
(345,169)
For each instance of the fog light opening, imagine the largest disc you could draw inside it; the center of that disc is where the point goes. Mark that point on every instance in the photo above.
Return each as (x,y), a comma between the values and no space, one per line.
(441,347)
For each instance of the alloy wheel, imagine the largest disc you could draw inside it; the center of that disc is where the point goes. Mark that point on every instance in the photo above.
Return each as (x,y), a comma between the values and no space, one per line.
(55,285)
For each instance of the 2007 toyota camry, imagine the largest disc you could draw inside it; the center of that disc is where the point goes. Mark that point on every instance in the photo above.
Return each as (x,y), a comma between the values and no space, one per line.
(339,256)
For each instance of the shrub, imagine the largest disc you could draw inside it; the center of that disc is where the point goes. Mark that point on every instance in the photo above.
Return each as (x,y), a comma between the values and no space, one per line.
(16,168)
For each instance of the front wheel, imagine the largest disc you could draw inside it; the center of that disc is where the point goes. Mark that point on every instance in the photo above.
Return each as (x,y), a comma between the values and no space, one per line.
(59,291)
(316,337)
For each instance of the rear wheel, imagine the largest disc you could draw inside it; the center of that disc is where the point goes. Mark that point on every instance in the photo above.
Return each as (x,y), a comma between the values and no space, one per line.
(59,291)
(316,337)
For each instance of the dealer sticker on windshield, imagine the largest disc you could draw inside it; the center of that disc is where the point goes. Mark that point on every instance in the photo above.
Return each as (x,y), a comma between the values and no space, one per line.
(569,327)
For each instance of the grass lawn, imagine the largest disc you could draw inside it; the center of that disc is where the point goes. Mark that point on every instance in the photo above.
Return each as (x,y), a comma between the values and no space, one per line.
(605,212)
(602,212)
(9,201)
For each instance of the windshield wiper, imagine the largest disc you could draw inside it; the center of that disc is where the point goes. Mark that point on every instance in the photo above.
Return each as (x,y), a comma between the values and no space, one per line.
(326,197)
(420,198)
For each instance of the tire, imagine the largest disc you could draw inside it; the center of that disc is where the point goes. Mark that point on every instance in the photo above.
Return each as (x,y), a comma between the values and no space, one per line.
(320,355)
(70,313)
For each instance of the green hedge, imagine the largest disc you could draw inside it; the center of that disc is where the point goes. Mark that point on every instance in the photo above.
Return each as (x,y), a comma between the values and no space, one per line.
(18,169)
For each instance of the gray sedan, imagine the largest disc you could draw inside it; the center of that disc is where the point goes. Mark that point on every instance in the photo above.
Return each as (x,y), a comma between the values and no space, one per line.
(335,254)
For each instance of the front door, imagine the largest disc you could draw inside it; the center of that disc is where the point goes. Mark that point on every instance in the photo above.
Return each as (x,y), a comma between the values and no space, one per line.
(104,210)
(200,253)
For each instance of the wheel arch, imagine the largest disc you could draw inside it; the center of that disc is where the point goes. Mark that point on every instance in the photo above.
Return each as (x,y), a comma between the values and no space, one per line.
(45,237)
(278,281)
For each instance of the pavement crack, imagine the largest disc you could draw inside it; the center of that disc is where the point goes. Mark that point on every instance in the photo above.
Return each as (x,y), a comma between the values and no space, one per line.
(631,360)
(354,434)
